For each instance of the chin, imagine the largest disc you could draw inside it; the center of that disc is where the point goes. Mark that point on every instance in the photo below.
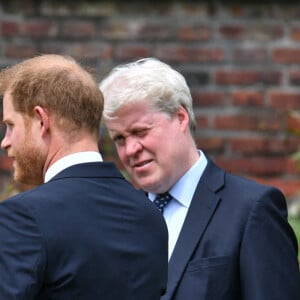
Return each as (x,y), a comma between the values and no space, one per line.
(27,180)
(20,180)
(149,187)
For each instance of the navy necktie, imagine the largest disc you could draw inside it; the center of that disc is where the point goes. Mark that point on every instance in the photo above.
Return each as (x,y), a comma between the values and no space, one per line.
(162,200)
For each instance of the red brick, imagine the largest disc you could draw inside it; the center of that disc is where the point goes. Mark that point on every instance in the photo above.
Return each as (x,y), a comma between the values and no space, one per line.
(250,55)
(182,53)
(211,144)
(157,31)
(117,30)
(235,122)
(290,187)
(9,28)
(27,7)
(78,29)
(293,123)
(254,166)
(131,51)
(23,50)
(202,122)
(277,32)
(266,33)
(271,77)
(232,32)
(195,77)
(80,50)
(39,28)
(91,50)
(286,55)
(294,77)
(237,10)
(54,47)
(248,98)
(262,145)
(208,98)
(295,34)
(261,122)
(284,100)
(243,77)
(194,33)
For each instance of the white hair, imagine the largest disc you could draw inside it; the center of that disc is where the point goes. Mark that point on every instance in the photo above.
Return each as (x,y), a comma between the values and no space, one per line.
(146,79)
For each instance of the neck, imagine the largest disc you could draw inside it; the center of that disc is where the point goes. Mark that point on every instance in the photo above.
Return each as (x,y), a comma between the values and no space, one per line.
(61,147)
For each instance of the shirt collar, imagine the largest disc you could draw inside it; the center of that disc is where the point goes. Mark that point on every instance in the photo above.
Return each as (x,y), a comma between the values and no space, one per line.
(70,160)
(185,187)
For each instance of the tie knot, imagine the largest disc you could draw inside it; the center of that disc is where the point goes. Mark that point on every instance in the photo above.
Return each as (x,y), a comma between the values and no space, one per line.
(162,200)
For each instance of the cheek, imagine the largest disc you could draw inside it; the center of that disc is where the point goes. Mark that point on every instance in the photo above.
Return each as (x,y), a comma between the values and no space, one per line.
(122,154)
(17,139)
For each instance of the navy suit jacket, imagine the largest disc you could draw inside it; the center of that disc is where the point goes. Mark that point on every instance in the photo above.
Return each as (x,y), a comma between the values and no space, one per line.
(235,243)
(86,234)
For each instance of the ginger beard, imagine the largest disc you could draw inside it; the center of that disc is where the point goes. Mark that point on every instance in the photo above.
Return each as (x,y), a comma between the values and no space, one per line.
(29,162)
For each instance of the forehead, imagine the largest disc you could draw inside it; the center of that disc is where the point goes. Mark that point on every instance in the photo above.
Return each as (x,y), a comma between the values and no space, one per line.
(9,112)
(7,102)
(136,117)
(130,112)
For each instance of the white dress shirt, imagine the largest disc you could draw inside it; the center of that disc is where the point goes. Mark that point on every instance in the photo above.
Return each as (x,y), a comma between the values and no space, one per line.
(70,160)
(182,192)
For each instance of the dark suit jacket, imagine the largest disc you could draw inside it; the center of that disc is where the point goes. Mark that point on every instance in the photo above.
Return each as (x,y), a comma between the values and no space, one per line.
(86,234)
(235,243)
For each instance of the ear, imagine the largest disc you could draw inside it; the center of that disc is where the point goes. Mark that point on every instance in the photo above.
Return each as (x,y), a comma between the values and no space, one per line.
(183,118)
(42,117)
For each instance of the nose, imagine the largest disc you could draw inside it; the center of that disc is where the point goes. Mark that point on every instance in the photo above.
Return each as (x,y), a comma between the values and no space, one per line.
(5,142)
(133,146)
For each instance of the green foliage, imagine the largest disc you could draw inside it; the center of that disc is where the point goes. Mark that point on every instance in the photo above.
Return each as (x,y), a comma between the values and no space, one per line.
(296,157)
(295,223)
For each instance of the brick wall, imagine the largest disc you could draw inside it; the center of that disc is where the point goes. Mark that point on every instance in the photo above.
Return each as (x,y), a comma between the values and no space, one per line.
(241,62)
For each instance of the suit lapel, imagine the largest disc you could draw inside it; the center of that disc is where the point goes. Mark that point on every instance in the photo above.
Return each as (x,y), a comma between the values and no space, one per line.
(203,205)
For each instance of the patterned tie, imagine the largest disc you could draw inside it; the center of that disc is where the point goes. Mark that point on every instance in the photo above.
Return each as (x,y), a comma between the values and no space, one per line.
(162,200)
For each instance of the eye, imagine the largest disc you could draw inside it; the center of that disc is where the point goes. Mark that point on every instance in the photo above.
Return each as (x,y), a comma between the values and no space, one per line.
(119,140)
(9,125)
(141,132)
